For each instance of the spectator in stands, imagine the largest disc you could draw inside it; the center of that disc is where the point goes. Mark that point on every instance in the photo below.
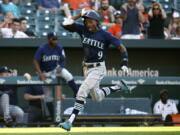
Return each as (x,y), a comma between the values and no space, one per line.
(8,100)
(24,27)
(7,23)
(14,31)
(132,19)
(106,13)
(174,23)
(116,29)
(7,6)
(78,4)
(53,5)
(177,37)
(157,18)
(165,106)
(35,95)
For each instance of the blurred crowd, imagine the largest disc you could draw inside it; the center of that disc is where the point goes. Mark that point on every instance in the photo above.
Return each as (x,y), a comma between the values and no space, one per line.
(131,19)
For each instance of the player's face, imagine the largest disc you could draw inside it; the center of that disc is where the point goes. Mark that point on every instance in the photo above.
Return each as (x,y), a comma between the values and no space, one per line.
(92,25)
(53,41)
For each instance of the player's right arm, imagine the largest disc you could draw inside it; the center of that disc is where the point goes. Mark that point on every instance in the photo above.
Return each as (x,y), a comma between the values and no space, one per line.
(70,25)
(36,63)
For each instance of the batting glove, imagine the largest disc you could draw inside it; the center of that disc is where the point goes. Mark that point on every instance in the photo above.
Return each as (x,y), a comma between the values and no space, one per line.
(84,11)
(68,21)
(125,69)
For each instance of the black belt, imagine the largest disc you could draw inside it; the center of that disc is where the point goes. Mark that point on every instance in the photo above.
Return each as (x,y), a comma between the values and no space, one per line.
(92,65)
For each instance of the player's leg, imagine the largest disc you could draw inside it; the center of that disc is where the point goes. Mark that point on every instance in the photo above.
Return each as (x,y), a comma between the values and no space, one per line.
(65,74)
(93,77)
(17,113)
(5,107)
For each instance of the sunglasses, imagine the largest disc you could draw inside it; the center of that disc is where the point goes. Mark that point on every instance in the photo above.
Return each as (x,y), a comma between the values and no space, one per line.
(155,8)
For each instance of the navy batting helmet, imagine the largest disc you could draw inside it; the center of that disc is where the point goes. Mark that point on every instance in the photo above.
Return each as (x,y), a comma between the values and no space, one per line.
(92,15)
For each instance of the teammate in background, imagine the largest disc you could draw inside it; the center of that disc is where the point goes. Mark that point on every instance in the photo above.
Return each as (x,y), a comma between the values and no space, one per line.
(95,43)
(8,100)
(35,95)
(49,59)
(165,106)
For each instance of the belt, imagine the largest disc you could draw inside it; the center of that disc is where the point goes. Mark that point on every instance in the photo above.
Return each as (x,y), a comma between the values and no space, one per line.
(92,65)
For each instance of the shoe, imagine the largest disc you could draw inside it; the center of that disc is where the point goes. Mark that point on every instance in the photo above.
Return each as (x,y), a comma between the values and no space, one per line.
(124,86)
(65,125)
(8,120)
(120,87)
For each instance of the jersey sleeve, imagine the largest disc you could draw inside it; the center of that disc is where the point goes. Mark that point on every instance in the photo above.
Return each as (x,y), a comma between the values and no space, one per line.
(74,28)
(113,40)
(38,54)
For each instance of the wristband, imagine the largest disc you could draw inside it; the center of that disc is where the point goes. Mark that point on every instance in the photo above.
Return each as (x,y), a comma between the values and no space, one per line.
(124,61)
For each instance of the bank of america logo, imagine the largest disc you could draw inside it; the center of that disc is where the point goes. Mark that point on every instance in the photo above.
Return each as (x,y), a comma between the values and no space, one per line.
(141,81)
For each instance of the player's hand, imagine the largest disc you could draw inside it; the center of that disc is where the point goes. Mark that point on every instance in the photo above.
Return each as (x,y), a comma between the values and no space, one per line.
(83,11)
(67,21)
(125,69)
(58,70)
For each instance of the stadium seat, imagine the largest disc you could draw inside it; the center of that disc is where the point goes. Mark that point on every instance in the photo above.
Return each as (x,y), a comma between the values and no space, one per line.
(167,5)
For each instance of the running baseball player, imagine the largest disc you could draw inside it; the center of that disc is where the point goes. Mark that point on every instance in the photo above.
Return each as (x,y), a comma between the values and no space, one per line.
(8,99)
(50,58)
(95,43)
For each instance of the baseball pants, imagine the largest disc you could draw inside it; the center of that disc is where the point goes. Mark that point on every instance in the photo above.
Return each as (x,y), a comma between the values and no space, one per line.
(90,85)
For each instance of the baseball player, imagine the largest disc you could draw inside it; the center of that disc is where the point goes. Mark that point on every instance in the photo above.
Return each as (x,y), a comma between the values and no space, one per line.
(95,43)
(8,99)
(49,59)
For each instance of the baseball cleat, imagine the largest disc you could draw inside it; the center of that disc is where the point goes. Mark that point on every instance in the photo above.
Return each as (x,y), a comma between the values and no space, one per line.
(65,125)
(120,87)
(124,86)
(8,119)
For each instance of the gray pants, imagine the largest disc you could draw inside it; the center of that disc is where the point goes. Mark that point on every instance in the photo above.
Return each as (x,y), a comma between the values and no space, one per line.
(7,110)
(90,85)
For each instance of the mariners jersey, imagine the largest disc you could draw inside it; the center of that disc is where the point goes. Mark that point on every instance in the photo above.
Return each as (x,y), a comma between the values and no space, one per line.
(95,44)
(49,58)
